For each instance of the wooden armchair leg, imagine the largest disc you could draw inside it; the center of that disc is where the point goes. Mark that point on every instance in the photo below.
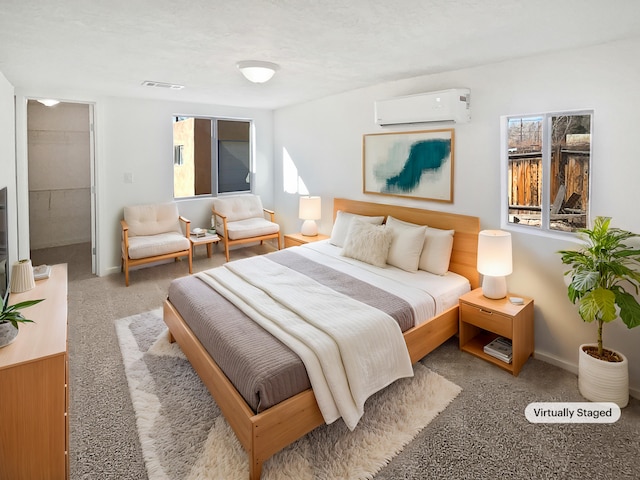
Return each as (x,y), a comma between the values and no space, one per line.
(126,273)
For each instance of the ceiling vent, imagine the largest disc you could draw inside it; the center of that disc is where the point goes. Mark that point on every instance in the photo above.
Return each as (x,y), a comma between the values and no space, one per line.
(171,86)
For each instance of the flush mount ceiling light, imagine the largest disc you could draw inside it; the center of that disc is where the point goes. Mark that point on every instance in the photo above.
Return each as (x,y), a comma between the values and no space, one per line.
(49,102)
(256,71)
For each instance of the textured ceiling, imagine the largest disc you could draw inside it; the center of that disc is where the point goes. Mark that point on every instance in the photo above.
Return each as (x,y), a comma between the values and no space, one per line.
(109,47)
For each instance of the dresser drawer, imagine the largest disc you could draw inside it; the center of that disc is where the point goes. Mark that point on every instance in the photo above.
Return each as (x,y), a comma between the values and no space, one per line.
(487,319)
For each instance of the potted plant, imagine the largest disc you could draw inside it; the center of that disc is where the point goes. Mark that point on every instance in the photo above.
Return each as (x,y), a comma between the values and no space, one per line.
(601,273)
(10,317)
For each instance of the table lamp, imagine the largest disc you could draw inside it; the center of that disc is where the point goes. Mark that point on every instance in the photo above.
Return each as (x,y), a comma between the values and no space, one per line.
(309,211)
(494,262)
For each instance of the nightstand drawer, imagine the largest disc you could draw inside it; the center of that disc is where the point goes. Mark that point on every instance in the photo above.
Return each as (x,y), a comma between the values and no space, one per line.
(297,239)
(487,320)
(291,242)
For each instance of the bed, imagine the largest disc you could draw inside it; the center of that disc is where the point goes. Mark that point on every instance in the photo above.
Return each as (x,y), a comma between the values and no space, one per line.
(265,429)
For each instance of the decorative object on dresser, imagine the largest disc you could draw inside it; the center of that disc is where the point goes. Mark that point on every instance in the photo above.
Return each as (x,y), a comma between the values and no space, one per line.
(296,239)
(34,438)
(41,272)
(494,262)
(22,276)
(10,317)
(310,210)
(482,320)
(598,278)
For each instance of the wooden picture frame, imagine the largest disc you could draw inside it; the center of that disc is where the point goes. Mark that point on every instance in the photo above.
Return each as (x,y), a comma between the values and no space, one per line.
(415,164)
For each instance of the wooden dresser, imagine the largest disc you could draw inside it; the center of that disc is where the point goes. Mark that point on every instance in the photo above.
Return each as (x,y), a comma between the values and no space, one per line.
(34,428)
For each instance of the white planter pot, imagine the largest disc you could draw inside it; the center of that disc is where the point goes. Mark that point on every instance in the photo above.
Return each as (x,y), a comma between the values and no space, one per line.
(601,381)
(8,334)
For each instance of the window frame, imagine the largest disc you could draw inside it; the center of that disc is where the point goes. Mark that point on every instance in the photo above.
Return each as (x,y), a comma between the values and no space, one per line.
(215,157)
(544,229)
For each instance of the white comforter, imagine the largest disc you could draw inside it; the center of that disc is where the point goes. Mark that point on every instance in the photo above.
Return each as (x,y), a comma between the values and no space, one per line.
(350,350)
(428,294)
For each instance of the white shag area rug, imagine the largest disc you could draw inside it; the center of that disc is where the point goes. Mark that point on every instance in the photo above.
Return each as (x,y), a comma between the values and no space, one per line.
(184,435)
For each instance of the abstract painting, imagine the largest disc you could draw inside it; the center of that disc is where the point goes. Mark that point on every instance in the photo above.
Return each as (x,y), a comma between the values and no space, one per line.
(411,164)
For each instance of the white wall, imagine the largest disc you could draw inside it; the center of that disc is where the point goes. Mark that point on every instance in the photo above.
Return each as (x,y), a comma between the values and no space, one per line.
(8,161)
(324,142)
(135,137)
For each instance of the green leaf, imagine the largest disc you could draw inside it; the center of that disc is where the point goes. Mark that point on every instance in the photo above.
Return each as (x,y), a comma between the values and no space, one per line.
(12,313)
(598,304)
(629,309)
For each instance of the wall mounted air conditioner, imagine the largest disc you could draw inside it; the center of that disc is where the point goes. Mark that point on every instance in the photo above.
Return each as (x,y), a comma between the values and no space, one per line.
(442,106)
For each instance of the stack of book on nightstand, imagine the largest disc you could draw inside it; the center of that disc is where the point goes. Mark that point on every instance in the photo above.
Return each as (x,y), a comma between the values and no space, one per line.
(499,348)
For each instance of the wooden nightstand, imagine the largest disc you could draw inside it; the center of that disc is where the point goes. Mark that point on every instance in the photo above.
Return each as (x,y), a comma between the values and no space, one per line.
(296,239)
(483,319)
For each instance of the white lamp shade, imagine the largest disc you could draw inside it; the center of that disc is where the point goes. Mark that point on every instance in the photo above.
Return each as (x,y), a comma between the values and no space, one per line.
(494,253)
(494,262)
(310,208)
(256,71)
(22,276)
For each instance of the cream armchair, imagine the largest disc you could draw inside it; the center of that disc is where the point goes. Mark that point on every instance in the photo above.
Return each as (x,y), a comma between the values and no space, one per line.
(241,219)
(151,233)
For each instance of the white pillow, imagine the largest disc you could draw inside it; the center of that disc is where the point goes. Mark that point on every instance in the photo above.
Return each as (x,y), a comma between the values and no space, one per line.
(367,243)
(436,252)
(406,245)
(341,226)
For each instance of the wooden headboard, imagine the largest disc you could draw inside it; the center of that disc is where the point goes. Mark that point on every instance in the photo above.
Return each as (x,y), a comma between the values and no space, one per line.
(465,240)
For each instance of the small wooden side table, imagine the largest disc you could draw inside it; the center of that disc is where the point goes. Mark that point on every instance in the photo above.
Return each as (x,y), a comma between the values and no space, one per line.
(482,319)
(296,239)
(208,240)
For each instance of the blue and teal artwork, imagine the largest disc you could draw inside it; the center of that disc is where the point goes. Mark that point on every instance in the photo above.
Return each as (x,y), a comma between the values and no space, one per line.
(414,164)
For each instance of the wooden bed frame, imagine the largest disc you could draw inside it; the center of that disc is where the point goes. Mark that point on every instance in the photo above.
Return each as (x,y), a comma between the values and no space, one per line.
(263,434)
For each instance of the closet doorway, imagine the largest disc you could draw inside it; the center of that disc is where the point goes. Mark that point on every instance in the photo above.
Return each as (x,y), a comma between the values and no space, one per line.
(61,186)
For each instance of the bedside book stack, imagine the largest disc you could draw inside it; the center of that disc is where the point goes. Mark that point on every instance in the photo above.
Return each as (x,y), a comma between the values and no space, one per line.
(500,348)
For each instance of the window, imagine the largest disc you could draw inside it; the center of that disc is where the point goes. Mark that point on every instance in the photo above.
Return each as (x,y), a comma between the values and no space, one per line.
(178,154)
(548,164)
(211,156)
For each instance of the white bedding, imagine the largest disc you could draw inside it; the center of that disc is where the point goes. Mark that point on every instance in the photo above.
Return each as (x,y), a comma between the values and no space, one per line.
(428,294)
(346,361)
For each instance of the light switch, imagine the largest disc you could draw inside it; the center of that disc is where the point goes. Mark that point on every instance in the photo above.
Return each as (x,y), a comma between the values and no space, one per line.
(128,177)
